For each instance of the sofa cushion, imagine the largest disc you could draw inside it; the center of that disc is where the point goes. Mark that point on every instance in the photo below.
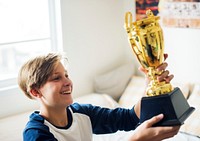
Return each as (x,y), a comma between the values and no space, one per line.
(192,124)
(96,99)
(136,89)
(115,81)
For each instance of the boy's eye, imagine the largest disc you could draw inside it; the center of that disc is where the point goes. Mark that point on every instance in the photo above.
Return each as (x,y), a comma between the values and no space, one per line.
(56,78)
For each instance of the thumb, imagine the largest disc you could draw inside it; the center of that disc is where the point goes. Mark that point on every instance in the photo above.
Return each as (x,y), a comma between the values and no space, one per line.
(154,120)
(142,69)
(165,56)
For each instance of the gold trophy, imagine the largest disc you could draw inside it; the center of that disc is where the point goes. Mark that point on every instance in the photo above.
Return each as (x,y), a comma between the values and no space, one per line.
(146,40)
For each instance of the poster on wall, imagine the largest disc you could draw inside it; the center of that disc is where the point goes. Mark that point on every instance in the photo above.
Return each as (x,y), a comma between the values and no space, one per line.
(143,5)
(180,13)
(173,13)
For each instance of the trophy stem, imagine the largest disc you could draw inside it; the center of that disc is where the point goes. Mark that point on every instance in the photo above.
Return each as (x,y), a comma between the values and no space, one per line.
(155,87)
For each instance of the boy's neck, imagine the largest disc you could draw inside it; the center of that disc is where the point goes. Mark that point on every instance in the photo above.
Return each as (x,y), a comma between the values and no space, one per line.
(56,117)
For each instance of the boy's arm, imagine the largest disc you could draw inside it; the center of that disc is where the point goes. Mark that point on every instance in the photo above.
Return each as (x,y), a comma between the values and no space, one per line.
(37,135)
(105,120)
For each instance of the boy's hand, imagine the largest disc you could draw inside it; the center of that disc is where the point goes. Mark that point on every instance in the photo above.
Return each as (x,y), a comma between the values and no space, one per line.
(145,132)
(164,76)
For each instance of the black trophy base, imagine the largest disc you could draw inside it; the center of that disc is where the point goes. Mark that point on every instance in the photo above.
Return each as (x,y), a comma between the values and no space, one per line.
(173,105)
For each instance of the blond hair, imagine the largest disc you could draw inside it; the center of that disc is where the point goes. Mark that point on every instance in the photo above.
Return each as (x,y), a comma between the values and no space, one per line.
(35,72)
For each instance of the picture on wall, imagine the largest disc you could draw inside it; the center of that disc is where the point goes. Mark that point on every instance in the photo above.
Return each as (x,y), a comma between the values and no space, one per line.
(143,5)
(173,13)
(180,13)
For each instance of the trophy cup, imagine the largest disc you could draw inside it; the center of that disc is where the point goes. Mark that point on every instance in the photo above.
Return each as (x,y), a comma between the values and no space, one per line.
(146,39)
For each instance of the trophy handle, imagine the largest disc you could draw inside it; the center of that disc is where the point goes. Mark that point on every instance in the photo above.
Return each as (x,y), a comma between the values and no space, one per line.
(138,51)
(128,21)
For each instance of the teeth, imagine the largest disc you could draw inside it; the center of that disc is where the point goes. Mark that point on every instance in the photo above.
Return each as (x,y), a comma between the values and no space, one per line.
(66,92)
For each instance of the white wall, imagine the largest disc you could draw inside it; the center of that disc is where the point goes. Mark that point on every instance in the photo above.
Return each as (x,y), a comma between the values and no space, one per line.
(94,38)
(95,41)
(183,47)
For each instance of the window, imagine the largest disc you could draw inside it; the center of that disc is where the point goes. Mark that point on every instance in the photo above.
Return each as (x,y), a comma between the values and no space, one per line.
(27,27)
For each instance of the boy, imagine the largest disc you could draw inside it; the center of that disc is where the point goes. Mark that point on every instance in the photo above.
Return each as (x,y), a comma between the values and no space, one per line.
(45,79)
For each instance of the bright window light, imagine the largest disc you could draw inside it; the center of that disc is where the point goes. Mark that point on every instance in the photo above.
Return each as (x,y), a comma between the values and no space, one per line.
(27,28)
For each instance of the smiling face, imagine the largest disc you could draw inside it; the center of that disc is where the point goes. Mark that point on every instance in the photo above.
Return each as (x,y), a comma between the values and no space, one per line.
(45,79)
(56,92)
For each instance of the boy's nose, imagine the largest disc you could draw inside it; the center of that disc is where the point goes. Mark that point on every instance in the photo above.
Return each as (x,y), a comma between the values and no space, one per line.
(67,82)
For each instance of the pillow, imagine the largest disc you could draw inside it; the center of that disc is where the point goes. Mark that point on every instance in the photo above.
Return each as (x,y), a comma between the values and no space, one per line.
(192,124)
(114,82)
(136,89)
(184,87)
(102,100)
(133,92)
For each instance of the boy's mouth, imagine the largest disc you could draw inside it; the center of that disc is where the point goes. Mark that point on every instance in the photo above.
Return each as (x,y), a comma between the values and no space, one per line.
(66,92)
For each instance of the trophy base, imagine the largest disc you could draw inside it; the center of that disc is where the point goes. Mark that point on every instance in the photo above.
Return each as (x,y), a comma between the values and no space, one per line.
(173,105)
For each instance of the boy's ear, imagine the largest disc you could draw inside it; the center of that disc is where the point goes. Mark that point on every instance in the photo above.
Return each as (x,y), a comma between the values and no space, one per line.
(35,93)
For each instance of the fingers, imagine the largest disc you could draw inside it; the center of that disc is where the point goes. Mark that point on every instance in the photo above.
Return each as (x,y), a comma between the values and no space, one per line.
(154,120)
(169,78)
(168,132)
(162,67)
(164,76)
(162,73)
(142,70)
(170,129)
(145,132)
(165,56)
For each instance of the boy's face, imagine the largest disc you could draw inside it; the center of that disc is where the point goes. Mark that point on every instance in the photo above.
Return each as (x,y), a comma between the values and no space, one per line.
(56,92)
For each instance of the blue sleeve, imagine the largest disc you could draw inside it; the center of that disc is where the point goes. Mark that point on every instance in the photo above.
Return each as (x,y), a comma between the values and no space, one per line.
(36,130)
(106,120)
(37,135)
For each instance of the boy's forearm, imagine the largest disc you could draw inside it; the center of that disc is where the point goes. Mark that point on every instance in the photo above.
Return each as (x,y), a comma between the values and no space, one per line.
(137,108)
